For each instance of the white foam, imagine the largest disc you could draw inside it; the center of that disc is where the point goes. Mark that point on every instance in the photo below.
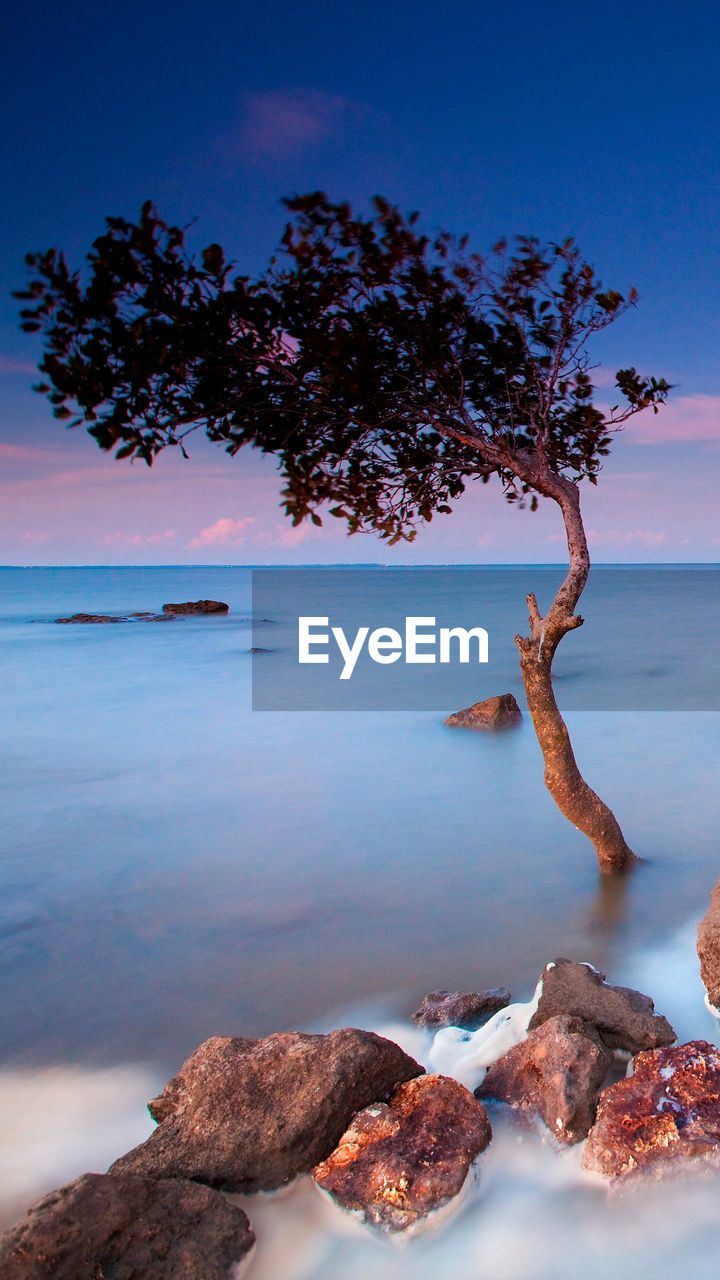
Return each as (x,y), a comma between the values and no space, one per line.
(59,1122)
(466,1055)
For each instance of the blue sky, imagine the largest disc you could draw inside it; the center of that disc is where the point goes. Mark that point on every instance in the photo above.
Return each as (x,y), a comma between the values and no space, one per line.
(600,122)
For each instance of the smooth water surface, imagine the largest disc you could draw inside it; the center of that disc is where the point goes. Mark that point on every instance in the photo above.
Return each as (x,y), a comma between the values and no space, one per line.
(177,866)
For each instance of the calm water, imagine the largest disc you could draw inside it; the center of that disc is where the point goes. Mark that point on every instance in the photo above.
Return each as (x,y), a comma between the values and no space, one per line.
(177,866)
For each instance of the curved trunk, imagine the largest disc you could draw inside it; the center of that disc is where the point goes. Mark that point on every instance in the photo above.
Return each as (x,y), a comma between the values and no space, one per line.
(575,799)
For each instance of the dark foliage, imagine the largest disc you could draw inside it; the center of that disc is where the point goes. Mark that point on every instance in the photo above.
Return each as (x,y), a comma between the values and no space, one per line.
(382,367)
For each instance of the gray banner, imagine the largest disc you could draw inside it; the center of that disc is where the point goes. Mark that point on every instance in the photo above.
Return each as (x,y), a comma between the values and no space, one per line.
(376,639)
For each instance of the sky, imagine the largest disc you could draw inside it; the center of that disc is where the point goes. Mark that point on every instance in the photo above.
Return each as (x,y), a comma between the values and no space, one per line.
(597,122)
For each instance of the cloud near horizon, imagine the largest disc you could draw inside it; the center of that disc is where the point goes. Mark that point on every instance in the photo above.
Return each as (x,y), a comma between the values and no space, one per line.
(223,533)
(627,537)
(135,539)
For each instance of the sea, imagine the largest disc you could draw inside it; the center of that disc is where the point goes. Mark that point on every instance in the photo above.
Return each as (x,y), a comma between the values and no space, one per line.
(177,865)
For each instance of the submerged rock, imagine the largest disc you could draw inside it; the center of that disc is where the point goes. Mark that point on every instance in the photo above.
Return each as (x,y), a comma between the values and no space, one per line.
(669,1109)
(127,1228)
(197,606)
(708,947)
(398,1162)
(91,617)
(105,617)
(468,1010)
(248,1115)
(624,1018)
(500,712)
(556,1073)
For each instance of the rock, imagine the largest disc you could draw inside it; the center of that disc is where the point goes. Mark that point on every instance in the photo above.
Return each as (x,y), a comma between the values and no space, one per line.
(91,617)
(557,1073)
(468,1010)
(248,1115)
(127,1228)
(398,1162)
(152,617)
(256,649)
(501,712)
(623,1017)
(197,606)
(708,948)
(669,1109)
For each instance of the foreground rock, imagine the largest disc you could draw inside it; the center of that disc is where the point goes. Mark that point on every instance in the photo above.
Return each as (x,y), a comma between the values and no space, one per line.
(708,947)
(248,1115)
(468,1010)
(397,1163)
(668,1110)
(501,712)
(127,1228)
(556,1073)
(624,1018)
(197,606)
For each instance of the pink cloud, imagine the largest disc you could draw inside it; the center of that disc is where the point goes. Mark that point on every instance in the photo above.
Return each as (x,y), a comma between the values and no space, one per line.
(627,537)
(281,122)
(683,418)
(286,535)
(35,537)
(20,453)
(135,539)
(9,365)
(224,532)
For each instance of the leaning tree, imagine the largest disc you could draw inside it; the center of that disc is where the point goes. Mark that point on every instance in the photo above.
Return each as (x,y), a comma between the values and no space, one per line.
(383,368)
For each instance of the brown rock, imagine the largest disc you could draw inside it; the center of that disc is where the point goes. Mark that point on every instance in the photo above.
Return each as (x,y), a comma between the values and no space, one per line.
(197,606)
(397,1163)
(708,947)
(557,1073)
(667,1111)
(623,1017)
(500,712)
(127,1228)
(248,1115)
(468,1010)
(91,617)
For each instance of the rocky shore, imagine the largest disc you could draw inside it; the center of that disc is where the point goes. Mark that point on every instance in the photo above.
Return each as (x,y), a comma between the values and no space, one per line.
(375,1130)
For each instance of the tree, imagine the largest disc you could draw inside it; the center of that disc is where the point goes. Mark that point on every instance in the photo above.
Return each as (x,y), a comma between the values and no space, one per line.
(385,369)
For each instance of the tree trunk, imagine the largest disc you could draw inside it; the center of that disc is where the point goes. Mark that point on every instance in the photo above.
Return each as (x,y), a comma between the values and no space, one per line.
(563,779)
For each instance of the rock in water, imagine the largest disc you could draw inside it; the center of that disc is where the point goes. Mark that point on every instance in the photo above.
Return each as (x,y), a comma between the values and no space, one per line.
(708,948)
(91,617)
(624,1018)
(556,1073)
(197,606)
(669,1109)
(397,1163)
(468,1010)
(248,1115)
(501,712)
(127,1228)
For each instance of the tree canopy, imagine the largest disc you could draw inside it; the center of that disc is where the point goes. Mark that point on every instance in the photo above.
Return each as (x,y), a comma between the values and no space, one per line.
(384,368)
